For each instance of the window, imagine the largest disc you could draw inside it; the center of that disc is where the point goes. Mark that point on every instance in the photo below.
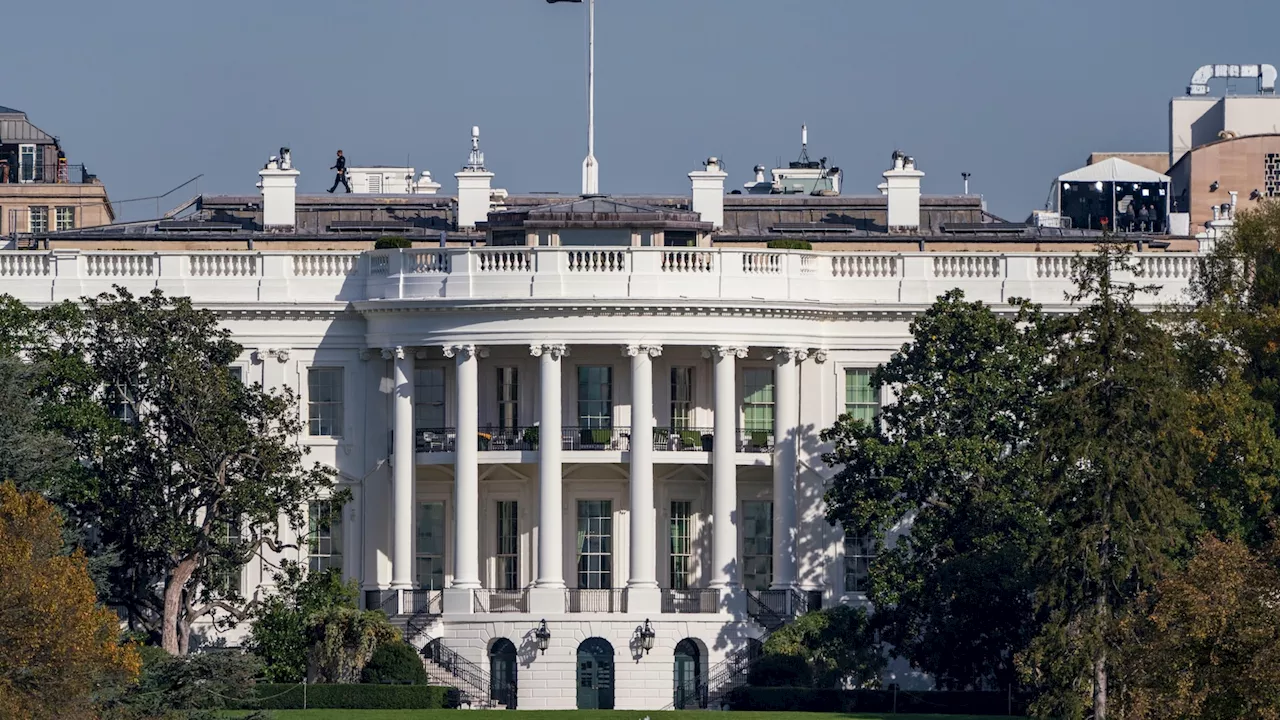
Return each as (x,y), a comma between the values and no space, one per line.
(324,401)
(27,163)
(860,399)
(237,373)
(681,544)
(757,402)
(508,398)
(595,544)
(227,576)
(595,397)
(1271,175)
(681,398)
(757,545)
(428,398)
(324,536)
(37,219)
(859,551)
(65,217)
(508,546)
(120,403)
(430,547)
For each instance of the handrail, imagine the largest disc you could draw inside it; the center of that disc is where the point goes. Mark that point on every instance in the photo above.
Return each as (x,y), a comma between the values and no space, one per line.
(480,690)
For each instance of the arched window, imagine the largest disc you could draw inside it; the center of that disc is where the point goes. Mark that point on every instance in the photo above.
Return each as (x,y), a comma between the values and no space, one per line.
(688,676)
(502,673)
(595,674)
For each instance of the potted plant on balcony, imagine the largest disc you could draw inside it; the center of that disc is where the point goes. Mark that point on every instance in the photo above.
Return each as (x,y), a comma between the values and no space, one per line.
(707,441)
(483,440)
(530,438)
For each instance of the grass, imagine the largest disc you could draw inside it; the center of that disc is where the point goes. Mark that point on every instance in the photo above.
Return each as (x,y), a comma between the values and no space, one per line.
(584,715)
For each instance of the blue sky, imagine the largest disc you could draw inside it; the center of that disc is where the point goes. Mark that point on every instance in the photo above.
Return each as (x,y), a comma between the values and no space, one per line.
(150,93)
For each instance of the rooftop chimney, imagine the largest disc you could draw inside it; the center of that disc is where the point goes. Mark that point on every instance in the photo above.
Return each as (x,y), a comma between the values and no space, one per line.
(425,185)
(902,185)
(708,192)
(474,186)
(279,185)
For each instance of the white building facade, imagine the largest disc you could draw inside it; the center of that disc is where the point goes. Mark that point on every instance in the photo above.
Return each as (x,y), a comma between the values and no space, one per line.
(587,444)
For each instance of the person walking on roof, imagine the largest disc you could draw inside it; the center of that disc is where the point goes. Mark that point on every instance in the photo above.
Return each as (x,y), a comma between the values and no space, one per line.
(341,166)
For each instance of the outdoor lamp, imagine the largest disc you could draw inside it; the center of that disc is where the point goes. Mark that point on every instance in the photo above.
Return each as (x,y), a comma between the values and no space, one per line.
(646,637)
(543,636)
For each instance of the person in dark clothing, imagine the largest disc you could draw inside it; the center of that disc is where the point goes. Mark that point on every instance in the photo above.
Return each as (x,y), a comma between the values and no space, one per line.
(341,167)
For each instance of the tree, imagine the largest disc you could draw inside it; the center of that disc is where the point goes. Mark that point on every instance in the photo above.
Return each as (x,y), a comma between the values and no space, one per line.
(342,640)
(1205,643)
(837,645)
(281,623)
(189,472)
(56,646)
(394,663)
(1116,440)
(951,459)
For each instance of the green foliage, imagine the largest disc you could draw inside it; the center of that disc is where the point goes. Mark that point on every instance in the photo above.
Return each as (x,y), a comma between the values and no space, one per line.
(355,697)
(837,647)
(389,243)
(394,663)
(1205,643)
(171,686)
(790,245)
(953,455)
(824,700)
(172,450)
(341,641)
(781,671)
(279,634)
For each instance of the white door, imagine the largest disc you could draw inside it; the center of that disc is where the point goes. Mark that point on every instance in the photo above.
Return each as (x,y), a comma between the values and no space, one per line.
(26,163)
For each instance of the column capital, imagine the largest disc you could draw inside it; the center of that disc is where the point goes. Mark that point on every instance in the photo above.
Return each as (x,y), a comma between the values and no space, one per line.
(366,354)
(787,355)
(820,355)
(395,353)
(465,352)
(725,351)
(652,351)
(555,351)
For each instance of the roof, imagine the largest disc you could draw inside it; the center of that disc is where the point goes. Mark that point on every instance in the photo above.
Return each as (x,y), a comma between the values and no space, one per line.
(1113,170)
(15,128)
(599,212)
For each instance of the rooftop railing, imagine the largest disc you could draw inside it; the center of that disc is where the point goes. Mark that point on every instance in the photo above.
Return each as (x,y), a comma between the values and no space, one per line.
(685,275)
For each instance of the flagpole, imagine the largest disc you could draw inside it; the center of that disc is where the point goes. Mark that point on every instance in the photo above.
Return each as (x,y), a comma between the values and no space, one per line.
(590,168)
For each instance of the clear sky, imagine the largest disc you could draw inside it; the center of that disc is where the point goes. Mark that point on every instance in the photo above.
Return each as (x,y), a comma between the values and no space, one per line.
(149,93)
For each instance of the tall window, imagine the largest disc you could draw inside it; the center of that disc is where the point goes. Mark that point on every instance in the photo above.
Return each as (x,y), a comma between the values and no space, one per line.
(428,398)
(429,554)
(237,373)
(595,544)
(681,398)
(757,545)
(65,217)
(324,401)
(508,398)
(860,399)
(859,552)
(681,544)
(595,396)
(508,546)
(27,163)
(757,402)
(324,536)
(228,577)
(120,403)
(37,219)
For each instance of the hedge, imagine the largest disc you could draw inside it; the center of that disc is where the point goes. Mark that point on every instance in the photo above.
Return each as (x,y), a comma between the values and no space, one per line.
(353,697)
(790,245)
(389,243)
(940,702)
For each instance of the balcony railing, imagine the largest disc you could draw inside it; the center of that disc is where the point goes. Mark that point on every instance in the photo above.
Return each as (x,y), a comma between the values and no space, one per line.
(691,601)
(44,174)
(594,601)
(436,440)
(501,601)
(424,602)
(588,438)
(675,439)
(388,601)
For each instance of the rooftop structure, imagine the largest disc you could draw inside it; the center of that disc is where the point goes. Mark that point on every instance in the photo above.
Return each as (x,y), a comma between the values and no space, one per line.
(40,191)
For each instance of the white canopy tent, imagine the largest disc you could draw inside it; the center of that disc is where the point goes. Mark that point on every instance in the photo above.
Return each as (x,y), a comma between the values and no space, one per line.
(1121,183)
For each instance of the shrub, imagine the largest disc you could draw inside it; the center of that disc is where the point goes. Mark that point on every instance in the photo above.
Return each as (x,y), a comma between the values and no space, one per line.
(354,697)
(775,671)
(790,245)
(391,243)
(825,700)
(279,634)
(837,645)
(394,663)
(170,685)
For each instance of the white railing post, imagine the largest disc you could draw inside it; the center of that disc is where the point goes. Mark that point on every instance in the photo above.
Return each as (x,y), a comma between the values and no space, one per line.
(917,280)
(172,271)
(68,268)
(275,276)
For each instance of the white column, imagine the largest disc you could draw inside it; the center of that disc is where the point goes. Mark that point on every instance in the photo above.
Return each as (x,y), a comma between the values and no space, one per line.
(403,460)
(548,591)
(642,587)
(726,571)
(786,422)
(466,495)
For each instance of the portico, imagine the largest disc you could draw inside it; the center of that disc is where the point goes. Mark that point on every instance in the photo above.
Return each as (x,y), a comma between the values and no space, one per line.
(698,438)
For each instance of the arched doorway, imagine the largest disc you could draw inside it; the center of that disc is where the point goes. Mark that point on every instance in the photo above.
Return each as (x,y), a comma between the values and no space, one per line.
(595,675)
(502,673)
(688,672)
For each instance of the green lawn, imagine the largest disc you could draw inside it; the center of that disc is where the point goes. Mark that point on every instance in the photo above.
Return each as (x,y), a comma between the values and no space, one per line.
(585,715)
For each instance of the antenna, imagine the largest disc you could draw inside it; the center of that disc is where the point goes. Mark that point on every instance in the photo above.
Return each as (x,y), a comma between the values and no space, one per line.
(804,144)
(966,176)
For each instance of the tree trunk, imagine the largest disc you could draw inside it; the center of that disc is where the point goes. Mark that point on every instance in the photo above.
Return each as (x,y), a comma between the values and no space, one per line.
(173,606)
(1100,686)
